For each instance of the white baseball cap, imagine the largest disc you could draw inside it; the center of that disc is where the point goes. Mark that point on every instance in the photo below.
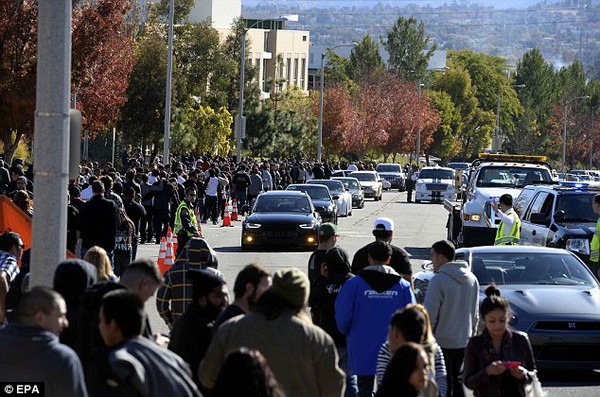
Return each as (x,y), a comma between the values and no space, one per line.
(385,224)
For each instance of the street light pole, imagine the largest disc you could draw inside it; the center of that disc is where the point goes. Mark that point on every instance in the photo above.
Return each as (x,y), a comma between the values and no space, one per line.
(167,137)
(564,148)
(418,153)
(321,88)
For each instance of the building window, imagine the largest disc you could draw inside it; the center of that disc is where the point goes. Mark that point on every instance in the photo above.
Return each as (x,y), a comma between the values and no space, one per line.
(289,72)
(264,76)
(296,71)
(302,73)
(304,38)
(266,49)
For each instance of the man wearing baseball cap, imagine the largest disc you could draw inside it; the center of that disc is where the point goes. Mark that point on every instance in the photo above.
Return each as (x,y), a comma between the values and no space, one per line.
(327,240)
(383,230)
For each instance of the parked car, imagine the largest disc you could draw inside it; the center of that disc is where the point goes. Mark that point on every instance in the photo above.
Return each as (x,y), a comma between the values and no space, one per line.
(353,187)
(338,173)
(558,216)
(336,188)
(321,198)
(393,174)
(553,296)
(282,218)
(370,182)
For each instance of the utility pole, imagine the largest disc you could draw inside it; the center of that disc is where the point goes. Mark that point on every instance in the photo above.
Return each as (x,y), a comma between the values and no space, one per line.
(51,137)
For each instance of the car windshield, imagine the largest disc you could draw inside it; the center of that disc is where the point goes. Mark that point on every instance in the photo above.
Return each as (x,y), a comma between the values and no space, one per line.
(576,208)
(531,269)
(429,173)
(351,184)
(388,168)
(512,177)
(458,166)
(364,177)
(334,186)
(282,204)
(314,191)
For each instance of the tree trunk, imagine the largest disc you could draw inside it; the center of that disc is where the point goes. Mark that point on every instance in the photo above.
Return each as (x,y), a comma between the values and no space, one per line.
(9,146)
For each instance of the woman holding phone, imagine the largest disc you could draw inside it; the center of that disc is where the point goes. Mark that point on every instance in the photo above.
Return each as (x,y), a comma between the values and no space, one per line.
(499,361)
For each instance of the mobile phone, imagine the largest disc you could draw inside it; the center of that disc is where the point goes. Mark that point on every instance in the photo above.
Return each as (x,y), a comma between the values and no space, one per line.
(511,364)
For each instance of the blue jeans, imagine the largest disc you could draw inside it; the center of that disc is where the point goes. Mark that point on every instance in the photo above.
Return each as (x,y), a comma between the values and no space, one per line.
(351,386)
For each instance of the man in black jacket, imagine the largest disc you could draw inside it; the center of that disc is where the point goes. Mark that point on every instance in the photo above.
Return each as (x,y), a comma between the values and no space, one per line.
(99,220)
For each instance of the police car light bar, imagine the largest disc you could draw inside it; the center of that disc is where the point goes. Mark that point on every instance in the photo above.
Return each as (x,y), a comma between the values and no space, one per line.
(517,157)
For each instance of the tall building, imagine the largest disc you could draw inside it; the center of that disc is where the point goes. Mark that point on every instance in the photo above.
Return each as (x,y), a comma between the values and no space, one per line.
(221,12)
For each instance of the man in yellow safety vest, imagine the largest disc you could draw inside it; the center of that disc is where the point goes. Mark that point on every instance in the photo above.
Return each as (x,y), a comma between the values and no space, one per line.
(595,246)
(509,231)
(185,220)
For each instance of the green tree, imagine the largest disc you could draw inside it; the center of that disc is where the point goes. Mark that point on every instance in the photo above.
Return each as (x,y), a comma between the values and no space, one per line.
(336,69)
(364,60)
(406,44)
(181,12)
(213,128)
(183,136)
(538,94)
(444,144)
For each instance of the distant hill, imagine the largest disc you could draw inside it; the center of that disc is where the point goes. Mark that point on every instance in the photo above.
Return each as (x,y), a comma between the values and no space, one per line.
(398,3)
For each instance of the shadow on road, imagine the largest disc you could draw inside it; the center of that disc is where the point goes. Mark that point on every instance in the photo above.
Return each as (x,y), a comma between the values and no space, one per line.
(560,378)
(418,252)
(260,249)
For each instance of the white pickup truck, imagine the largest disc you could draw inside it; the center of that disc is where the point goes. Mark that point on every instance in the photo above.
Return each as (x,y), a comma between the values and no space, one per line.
(472,222)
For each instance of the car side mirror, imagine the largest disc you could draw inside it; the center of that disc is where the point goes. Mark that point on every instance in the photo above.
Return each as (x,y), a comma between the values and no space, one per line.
(336,197)
(538,218)
(246,208)
(347,190)
(559,215)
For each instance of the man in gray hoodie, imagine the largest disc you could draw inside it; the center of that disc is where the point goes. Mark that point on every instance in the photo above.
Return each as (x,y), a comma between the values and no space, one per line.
(452,301)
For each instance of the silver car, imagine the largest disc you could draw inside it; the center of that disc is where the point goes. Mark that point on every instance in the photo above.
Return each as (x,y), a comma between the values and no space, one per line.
(553,297)
(344,198)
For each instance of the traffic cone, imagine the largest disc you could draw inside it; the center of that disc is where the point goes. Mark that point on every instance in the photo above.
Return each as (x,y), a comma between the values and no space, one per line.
(226,217)
(172,238)
(198,222)
(162,253)
(174,242)
(234,211)
(169,257)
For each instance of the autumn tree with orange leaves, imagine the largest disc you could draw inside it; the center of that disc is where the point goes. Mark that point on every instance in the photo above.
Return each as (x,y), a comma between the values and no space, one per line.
(102,58)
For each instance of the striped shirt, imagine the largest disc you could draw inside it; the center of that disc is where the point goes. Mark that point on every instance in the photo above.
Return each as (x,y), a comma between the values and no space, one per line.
(385,356)
(9,265)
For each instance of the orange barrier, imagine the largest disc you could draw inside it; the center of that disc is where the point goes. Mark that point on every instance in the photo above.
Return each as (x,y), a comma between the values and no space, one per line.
(169,258)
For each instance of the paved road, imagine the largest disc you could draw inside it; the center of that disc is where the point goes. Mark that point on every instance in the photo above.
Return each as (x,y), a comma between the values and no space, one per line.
(417,226)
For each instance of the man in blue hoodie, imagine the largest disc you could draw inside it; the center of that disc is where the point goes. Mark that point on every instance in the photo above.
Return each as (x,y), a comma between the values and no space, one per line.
(363,310)
(31,351)
(452,301)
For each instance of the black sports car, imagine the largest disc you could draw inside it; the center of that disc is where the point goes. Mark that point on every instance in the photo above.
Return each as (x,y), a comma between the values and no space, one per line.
(285,218)
(321,199)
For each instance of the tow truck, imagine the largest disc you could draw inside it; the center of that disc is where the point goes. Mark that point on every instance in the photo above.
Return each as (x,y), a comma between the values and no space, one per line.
(471,222)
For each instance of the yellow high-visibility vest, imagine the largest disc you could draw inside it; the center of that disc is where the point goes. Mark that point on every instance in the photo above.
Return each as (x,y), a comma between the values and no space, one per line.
(515,231)
(177,223)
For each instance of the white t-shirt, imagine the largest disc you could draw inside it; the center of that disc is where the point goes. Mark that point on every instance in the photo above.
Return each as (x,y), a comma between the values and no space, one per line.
(212,187)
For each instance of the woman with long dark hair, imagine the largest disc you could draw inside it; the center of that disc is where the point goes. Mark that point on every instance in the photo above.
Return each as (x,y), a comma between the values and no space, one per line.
(246,373)
(499,361)
(407,375)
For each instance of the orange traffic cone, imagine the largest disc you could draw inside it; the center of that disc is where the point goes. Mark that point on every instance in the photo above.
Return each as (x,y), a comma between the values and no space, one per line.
(234,211)
(172,238)
(175,242)
(169,257)
(226,217)
(162,253)
(198,222)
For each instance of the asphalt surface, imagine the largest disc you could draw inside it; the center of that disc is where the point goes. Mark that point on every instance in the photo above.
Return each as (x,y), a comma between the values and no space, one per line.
(417,227)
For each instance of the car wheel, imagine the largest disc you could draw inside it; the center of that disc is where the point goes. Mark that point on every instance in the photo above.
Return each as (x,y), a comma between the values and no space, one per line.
(362,204)
(417,201)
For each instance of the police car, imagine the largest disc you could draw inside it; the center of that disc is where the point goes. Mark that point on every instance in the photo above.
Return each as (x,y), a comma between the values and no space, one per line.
(435,184)
(473,223)
(559,216)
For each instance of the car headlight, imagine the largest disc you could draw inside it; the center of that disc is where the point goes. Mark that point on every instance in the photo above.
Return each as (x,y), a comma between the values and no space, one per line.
(472,217)
(450,188)
(307,226)
(579,245)
(421,186)
(253,225)
(356,196)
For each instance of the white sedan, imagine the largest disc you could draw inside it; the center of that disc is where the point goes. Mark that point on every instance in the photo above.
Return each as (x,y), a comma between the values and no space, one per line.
(337,189)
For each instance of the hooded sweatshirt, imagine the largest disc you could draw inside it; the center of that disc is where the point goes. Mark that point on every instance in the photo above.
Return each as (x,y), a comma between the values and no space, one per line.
(71,278)
(32,354)
(452,300)
(363,310)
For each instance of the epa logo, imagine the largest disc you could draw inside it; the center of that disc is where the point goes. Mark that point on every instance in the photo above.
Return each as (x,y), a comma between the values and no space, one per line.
(23,389)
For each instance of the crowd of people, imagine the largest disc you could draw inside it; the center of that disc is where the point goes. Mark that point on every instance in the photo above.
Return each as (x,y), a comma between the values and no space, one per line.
(351,327)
